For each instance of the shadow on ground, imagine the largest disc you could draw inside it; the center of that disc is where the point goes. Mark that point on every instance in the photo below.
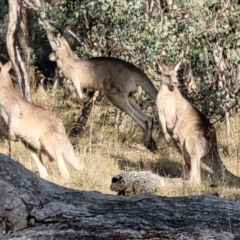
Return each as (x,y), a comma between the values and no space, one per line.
(163,167)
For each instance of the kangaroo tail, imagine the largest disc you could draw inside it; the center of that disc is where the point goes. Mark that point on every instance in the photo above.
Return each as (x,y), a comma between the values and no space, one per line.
(70,156)
(215,163)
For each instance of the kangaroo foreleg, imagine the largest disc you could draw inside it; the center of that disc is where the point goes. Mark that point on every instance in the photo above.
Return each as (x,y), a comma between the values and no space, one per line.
(164,128)
(38,161)
(148,121)
(77,85)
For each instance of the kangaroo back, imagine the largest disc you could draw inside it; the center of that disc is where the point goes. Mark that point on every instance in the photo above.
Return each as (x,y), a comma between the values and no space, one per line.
(63,51)
(123,72)
(142,80)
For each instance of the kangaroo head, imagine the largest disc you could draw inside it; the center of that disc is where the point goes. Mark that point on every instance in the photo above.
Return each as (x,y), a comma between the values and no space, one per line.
(4,73)
(189,80)
(169,75)
(61,42)
(62,48)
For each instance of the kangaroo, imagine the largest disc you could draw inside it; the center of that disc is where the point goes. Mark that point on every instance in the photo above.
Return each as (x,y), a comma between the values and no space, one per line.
(117,79)
(69,90)
(192,132)
(52,57)
(189,80)
(38,129)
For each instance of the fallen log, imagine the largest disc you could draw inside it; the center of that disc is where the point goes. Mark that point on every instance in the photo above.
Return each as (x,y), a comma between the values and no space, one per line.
(32,208)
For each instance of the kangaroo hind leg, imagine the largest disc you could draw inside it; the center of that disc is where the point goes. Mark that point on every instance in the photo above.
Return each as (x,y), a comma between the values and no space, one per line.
(121,101)
(194,151)
(148,122)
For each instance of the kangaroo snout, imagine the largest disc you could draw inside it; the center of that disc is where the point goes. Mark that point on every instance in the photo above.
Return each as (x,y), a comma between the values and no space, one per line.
(172,85)
(175,84)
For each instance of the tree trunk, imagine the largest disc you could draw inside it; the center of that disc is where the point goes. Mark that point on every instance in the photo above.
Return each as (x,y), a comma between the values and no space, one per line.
(16,38)
(224,83)
(238,71)
(32,208)
(82,120)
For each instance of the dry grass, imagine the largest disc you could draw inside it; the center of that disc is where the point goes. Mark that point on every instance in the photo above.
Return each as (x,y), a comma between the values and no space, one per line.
(104,155)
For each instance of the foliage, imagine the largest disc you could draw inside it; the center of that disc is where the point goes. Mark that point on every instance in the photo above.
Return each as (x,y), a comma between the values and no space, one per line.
(132,31)
(143,32)
(3,30)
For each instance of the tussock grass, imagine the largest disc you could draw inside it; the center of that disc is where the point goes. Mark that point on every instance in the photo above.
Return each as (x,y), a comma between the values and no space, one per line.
(101,149)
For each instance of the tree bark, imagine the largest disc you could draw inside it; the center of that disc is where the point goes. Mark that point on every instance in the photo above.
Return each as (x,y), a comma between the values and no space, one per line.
(14,40)
(238,71)
(87,108)
(224,83)
(32,208)
(37,7)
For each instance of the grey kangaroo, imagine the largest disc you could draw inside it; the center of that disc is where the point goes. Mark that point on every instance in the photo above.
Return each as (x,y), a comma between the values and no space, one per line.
(116,78)
(192,132)
(38,129)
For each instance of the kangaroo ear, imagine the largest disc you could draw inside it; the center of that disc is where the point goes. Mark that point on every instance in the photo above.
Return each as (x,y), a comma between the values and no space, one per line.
(52,57)
(6,67)
(58,43)
(162,67)
(176,66)
(57,40)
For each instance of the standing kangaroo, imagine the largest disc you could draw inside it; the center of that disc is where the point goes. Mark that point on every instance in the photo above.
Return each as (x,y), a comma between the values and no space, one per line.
(116,78)
(39,130)
(192,132)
